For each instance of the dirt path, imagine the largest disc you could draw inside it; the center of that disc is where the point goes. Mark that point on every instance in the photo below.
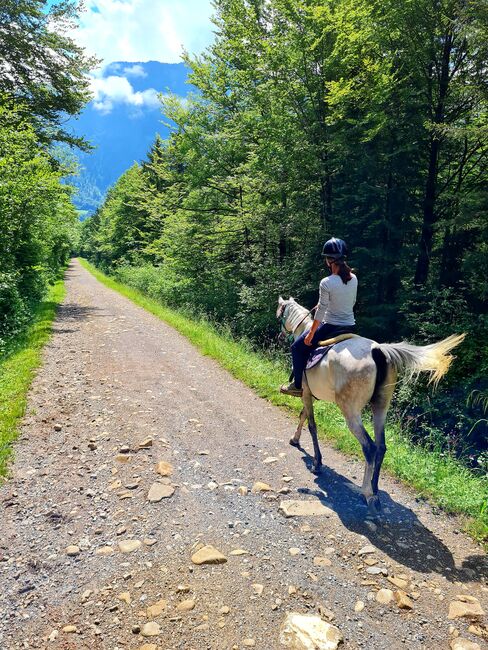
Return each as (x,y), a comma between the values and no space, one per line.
(113,376)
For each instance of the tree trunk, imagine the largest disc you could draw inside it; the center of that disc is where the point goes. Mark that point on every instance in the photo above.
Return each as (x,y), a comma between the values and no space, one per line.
(430,195)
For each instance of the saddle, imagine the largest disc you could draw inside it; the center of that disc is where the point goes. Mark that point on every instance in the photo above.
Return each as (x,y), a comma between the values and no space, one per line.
(324,346)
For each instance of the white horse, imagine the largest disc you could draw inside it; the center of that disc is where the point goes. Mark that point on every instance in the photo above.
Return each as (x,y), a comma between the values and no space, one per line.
(357,372)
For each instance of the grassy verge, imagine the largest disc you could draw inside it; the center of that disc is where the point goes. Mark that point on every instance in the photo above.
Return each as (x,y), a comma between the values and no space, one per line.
(443,480)
(17,368)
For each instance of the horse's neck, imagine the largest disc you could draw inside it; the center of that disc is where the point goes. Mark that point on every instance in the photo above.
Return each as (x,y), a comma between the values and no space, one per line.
(303,327)
(299,320)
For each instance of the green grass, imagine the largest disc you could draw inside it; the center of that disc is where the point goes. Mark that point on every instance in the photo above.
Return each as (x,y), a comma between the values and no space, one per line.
(18,366)
(441,479)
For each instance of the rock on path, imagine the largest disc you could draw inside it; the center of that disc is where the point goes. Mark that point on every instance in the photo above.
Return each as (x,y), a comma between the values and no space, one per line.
(87,561)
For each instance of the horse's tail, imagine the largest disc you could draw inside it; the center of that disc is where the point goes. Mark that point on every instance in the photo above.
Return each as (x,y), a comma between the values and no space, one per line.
(414,359)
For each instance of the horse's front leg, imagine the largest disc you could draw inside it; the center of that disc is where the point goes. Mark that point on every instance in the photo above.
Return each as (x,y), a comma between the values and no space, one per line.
(312,427)
(295,441)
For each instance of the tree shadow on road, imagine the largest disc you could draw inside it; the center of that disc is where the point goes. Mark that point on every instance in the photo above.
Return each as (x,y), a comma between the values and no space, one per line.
(69,312)
(397,532)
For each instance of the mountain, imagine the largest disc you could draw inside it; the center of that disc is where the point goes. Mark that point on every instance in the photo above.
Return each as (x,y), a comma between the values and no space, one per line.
(121,123)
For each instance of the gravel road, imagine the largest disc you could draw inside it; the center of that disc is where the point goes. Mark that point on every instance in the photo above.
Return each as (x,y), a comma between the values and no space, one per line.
(87,560)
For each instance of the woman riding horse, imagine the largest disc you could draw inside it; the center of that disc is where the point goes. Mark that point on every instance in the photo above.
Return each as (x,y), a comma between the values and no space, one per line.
(334,315)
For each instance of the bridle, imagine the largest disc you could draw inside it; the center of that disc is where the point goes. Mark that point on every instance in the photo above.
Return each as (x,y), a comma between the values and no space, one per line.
(290,334)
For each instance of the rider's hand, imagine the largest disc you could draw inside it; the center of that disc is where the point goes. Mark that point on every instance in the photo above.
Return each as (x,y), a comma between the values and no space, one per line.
(308,338)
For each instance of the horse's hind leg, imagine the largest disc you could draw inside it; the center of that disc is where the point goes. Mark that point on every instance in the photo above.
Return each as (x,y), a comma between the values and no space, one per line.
(295,441)
(379,417)
(379,407)
(356,426)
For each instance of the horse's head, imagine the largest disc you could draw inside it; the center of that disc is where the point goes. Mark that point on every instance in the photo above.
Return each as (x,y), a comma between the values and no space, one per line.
(290,314)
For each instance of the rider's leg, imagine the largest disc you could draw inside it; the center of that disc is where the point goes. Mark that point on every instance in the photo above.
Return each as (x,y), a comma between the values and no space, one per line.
(300,351)
(299,356)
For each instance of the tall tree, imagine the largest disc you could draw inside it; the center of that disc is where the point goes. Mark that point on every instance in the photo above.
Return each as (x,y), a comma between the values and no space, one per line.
(42,65)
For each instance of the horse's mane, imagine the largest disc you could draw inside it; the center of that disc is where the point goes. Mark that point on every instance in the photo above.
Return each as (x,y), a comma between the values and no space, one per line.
(296,315)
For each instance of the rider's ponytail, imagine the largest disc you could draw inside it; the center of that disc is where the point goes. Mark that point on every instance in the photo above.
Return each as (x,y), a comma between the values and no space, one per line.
(344,269)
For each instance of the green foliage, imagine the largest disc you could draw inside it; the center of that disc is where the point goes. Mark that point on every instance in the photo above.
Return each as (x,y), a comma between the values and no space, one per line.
(365,120)
(37,221)
(18,366)
(42,66)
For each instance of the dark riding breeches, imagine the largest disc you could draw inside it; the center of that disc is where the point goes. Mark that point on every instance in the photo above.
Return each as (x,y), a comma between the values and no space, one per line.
(300,352)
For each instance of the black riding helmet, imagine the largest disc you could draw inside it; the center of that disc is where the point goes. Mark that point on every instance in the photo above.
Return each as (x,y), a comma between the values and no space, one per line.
(335,248)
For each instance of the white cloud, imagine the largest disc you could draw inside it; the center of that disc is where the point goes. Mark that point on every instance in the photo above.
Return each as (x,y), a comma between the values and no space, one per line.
(112,90)
(135,70)
(145,30)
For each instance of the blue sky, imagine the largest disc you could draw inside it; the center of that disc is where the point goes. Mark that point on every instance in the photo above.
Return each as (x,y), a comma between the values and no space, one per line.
(145,30)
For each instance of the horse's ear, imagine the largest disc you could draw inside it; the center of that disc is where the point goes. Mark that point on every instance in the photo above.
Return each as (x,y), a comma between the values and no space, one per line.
(280,300)
(291,298)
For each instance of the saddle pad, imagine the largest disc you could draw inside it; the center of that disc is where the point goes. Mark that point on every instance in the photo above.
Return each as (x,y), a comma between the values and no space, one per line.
(316,355)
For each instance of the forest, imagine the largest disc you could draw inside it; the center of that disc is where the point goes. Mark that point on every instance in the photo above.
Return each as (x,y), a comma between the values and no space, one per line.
(42,81)
(358,119)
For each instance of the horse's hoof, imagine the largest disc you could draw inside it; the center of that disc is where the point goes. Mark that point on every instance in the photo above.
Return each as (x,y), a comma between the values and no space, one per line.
(374,505)
(294,443)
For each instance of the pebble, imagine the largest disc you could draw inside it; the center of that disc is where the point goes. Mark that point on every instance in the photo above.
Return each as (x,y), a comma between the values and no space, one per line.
(376,570)
(259,486)
(242,490)
(160,491)
(148,646)
(294,551)
(70,629)
(163,468)
(186,606)
(465,606)
(463,644)
(367,549)
(478,630)
(321,561)
(125,597)
(150,629)
(104,550)
(384,596)
(257,588)
(401,583)
(72,550)
(359,606)
(208,555)
(248,643)
(129,545)
(294,508)
(402,600)
(155,610)
(309,632)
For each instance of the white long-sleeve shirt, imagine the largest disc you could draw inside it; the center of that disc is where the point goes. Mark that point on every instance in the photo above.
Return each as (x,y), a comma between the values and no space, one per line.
(337,300)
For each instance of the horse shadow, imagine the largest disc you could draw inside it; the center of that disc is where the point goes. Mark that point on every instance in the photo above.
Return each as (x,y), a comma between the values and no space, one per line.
(397,531)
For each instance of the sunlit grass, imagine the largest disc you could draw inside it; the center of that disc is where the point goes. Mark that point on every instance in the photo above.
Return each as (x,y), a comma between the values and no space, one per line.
(18,366)
(442,479)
